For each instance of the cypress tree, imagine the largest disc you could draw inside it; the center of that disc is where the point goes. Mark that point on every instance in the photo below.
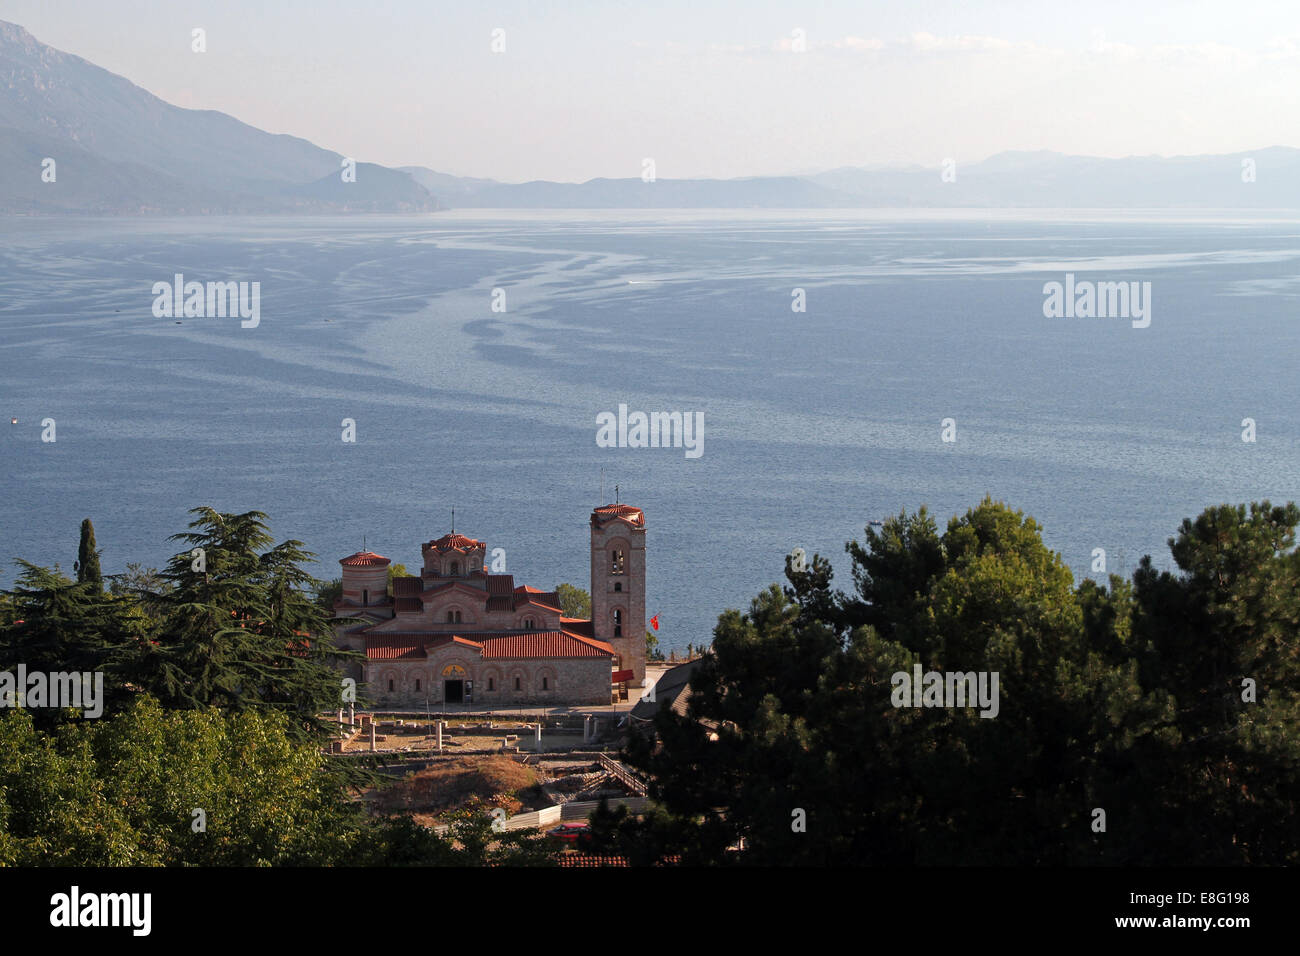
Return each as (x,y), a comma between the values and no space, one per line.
(88,557)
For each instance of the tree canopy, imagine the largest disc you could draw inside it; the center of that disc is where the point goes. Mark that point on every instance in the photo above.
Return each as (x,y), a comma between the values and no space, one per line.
(574,601)
(231,622)
(1168,704)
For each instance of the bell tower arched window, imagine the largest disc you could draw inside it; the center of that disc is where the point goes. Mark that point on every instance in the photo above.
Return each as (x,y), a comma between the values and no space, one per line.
(616,561)
(618,623)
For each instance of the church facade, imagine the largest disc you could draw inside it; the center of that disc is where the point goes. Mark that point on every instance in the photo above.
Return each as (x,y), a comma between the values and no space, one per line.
(459,633)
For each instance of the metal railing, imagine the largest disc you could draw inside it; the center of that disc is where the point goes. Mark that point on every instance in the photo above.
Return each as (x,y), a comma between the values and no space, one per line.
(622,774)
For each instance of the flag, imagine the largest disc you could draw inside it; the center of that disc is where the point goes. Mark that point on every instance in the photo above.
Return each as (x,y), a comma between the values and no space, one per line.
(654,622)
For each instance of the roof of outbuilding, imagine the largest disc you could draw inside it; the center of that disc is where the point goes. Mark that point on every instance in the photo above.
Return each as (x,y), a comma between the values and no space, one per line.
(673,690)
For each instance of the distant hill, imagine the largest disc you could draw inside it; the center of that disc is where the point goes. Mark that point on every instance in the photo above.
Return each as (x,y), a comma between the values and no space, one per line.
(1007,180)
(1047,179)
(120,149)
(763,192)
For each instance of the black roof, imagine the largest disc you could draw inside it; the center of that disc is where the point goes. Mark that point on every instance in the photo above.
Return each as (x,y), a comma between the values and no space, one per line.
(667,691)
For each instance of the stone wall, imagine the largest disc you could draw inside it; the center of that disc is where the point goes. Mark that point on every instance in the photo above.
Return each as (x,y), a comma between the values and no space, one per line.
(541,682)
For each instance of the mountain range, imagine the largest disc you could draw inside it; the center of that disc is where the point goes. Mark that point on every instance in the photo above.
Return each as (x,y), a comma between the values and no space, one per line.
(118,149)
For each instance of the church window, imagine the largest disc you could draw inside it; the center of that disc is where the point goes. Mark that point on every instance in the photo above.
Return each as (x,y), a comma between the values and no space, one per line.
(618,585)
(528,623)
(618,623)
(417,684)
(492,683)
(517,684)
(390,683)
(365,597)
(455,568)
(616,561)
(546,683)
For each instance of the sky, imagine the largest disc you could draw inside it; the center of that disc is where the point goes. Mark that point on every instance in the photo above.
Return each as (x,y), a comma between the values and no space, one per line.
(704,89)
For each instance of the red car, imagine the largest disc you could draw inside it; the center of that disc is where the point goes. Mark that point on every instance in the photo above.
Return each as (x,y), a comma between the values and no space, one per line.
(570,832)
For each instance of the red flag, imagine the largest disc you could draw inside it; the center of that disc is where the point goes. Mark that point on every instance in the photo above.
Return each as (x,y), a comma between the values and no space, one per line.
(654,622)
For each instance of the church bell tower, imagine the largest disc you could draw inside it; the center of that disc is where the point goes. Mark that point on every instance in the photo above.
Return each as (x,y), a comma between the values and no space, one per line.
(618,584)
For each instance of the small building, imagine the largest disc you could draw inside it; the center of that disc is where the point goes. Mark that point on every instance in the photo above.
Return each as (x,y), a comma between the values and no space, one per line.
(458,633)
(671,691)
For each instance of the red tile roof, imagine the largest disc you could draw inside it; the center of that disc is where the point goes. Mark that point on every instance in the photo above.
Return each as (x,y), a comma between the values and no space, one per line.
(542,644)
(492,645)
(576,625)
(609,512)
(364,559)
(406,646)
(455,542)
(546,599)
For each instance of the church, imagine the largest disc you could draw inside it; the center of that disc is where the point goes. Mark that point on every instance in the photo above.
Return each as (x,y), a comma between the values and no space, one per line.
(460,634)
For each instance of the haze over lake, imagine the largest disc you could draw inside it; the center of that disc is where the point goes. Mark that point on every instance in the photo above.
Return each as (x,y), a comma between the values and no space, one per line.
(814,422)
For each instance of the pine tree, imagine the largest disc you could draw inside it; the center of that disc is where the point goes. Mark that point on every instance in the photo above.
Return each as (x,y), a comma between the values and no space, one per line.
(242,629)
(1170,702)
(57,625)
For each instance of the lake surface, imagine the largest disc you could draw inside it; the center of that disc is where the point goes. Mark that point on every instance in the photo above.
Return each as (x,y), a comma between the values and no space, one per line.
(815,422)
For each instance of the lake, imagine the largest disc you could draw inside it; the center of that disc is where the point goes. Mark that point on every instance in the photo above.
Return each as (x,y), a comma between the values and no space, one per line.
(814,422)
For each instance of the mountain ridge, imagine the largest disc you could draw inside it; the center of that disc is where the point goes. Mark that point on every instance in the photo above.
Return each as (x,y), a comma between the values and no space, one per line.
(110,125)
(119,149)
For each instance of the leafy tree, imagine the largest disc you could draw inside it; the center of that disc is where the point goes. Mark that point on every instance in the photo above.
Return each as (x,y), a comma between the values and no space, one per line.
(137,580)
(1124,698)
(574,601)
(470,841)
(123,791)
(643,842)
(87,564)
(395,571)
(328,593)
(652,650)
